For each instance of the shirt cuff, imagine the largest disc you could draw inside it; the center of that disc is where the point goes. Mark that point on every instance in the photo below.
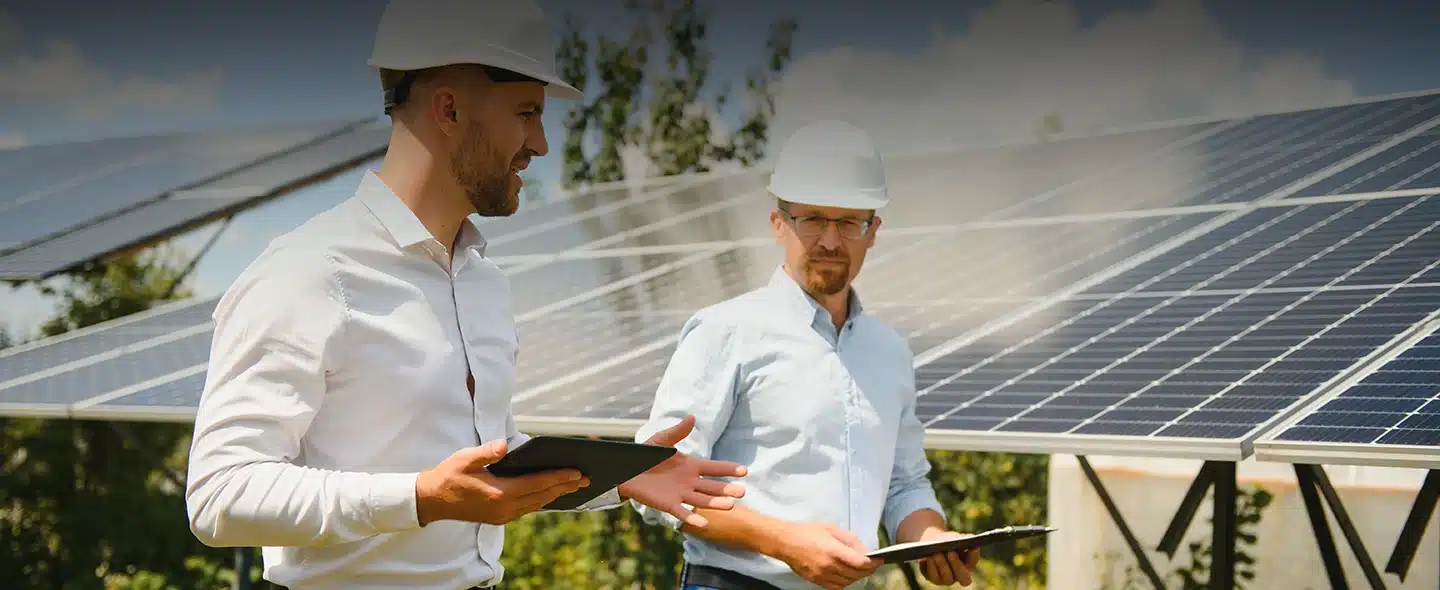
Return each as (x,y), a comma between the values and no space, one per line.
(906,503)
(392,502)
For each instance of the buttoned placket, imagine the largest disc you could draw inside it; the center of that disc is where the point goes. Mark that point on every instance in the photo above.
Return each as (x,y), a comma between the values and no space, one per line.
(452,265)
(852,419)
(849,402)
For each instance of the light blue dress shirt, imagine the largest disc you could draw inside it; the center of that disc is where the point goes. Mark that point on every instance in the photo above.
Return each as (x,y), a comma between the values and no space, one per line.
(825,421)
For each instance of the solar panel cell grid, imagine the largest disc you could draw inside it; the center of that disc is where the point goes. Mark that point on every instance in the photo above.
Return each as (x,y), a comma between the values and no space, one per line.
(628,321)
(1108,385)
(85,194)
(1396,404)
(592,216)
(113,233)
(1307,246)
(158,359)
(1249,160)
(1414,163)
(20,361)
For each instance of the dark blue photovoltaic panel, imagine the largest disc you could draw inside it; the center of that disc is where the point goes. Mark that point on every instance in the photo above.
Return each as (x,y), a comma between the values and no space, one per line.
(1397,404)
(180,393)
(1380,242)
(928,303)
(114,233)
(113,374)
(21,361)
(61,192)
(1201,366)
(1250,160)
(1414,163)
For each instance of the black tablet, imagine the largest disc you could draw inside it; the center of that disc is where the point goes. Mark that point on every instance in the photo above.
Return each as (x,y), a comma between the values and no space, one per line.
(607,463)
(922,549)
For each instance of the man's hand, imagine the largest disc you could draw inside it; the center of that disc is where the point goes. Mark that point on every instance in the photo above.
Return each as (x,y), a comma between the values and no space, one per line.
(680,480)
(460,488)
(954,567)
(826,555)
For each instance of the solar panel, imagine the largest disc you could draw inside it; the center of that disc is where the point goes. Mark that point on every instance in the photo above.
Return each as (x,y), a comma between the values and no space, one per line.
(618,218)
(70,185)
(189,208)
(1387,414)
(1189,331)
(114,363)
(1199,363)
(929,303)
(1252,158)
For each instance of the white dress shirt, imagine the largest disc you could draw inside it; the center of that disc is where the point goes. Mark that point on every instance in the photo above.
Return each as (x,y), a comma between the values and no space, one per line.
(337,374)
(823,419)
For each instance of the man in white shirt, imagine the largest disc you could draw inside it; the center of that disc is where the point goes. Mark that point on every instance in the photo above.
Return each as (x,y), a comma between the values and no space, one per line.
(816,395)
(362,366)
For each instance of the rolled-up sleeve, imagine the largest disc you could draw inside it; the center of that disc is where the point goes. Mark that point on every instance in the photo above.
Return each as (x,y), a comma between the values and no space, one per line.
(276,334)
(700,379)
(910,488)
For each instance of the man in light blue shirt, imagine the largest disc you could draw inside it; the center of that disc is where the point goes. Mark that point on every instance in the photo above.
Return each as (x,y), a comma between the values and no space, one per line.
(817,397)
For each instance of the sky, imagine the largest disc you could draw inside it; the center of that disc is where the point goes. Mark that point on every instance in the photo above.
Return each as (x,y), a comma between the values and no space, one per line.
(917,74)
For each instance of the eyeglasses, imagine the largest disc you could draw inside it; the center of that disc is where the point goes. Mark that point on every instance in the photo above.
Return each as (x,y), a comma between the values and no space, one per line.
(810,226)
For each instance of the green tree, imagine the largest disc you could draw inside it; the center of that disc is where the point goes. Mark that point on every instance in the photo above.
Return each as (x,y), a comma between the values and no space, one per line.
(982,491)
(98,505)
(661,106)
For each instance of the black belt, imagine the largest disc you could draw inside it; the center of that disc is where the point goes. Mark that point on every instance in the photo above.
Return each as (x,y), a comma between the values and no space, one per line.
(701,575)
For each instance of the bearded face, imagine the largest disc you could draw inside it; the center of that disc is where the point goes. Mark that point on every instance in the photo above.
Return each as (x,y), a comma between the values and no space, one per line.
(826,271)
(486,174)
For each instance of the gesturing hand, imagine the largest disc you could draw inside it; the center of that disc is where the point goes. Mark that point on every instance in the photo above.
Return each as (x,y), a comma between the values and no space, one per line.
(680,480)
(954,567)
(460,488)
(827,555)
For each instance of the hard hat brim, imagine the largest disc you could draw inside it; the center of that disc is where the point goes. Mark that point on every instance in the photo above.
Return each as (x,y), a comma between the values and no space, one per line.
(863,199)
(554,86)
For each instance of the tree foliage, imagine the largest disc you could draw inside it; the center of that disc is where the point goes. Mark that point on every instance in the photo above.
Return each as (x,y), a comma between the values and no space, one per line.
(662,106)
(98,505)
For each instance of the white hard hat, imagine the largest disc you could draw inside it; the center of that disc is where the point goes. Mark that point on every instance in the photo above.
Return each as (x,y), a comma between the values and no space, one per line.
(511,35)
(830,164)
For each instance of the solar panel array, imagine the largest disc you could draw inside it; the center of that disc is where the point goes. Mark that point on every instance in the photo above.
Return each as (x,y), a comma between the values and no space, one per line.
(67,204)
(1175,292)
(1388,414)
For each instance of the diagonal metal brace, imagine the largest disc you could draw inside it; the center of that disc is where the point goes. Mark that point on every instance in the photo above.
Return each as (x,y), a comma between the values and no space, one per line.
(1185,514)
(1140,556)
(1415,525)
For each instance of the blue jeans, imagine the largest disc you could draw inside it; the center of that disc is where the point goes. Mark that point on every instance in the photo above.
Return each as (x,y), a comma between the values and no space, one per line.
(694,587)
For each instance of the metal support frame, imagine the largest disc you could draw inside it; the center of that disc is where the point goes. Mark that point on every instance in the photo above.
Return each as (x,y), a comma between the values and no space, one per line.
(1219,475)
(1409,541)
(1312,478)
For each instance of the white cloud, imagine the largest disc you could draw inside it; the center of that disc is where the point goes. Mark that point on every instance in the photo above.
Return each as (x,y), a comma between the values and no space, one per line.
(59,73)
(10,141)
(1023,59)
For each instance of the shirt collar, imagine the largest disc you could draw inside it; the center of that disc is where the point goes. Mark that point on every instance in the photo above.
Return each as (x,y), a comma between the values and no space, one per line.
(400,222)
(801,303)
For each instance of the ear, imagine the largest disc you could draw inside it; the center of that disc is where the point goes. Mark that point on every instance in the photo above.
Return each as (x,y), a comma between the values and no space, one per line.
(444,105)
(777,226)
(874,227)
